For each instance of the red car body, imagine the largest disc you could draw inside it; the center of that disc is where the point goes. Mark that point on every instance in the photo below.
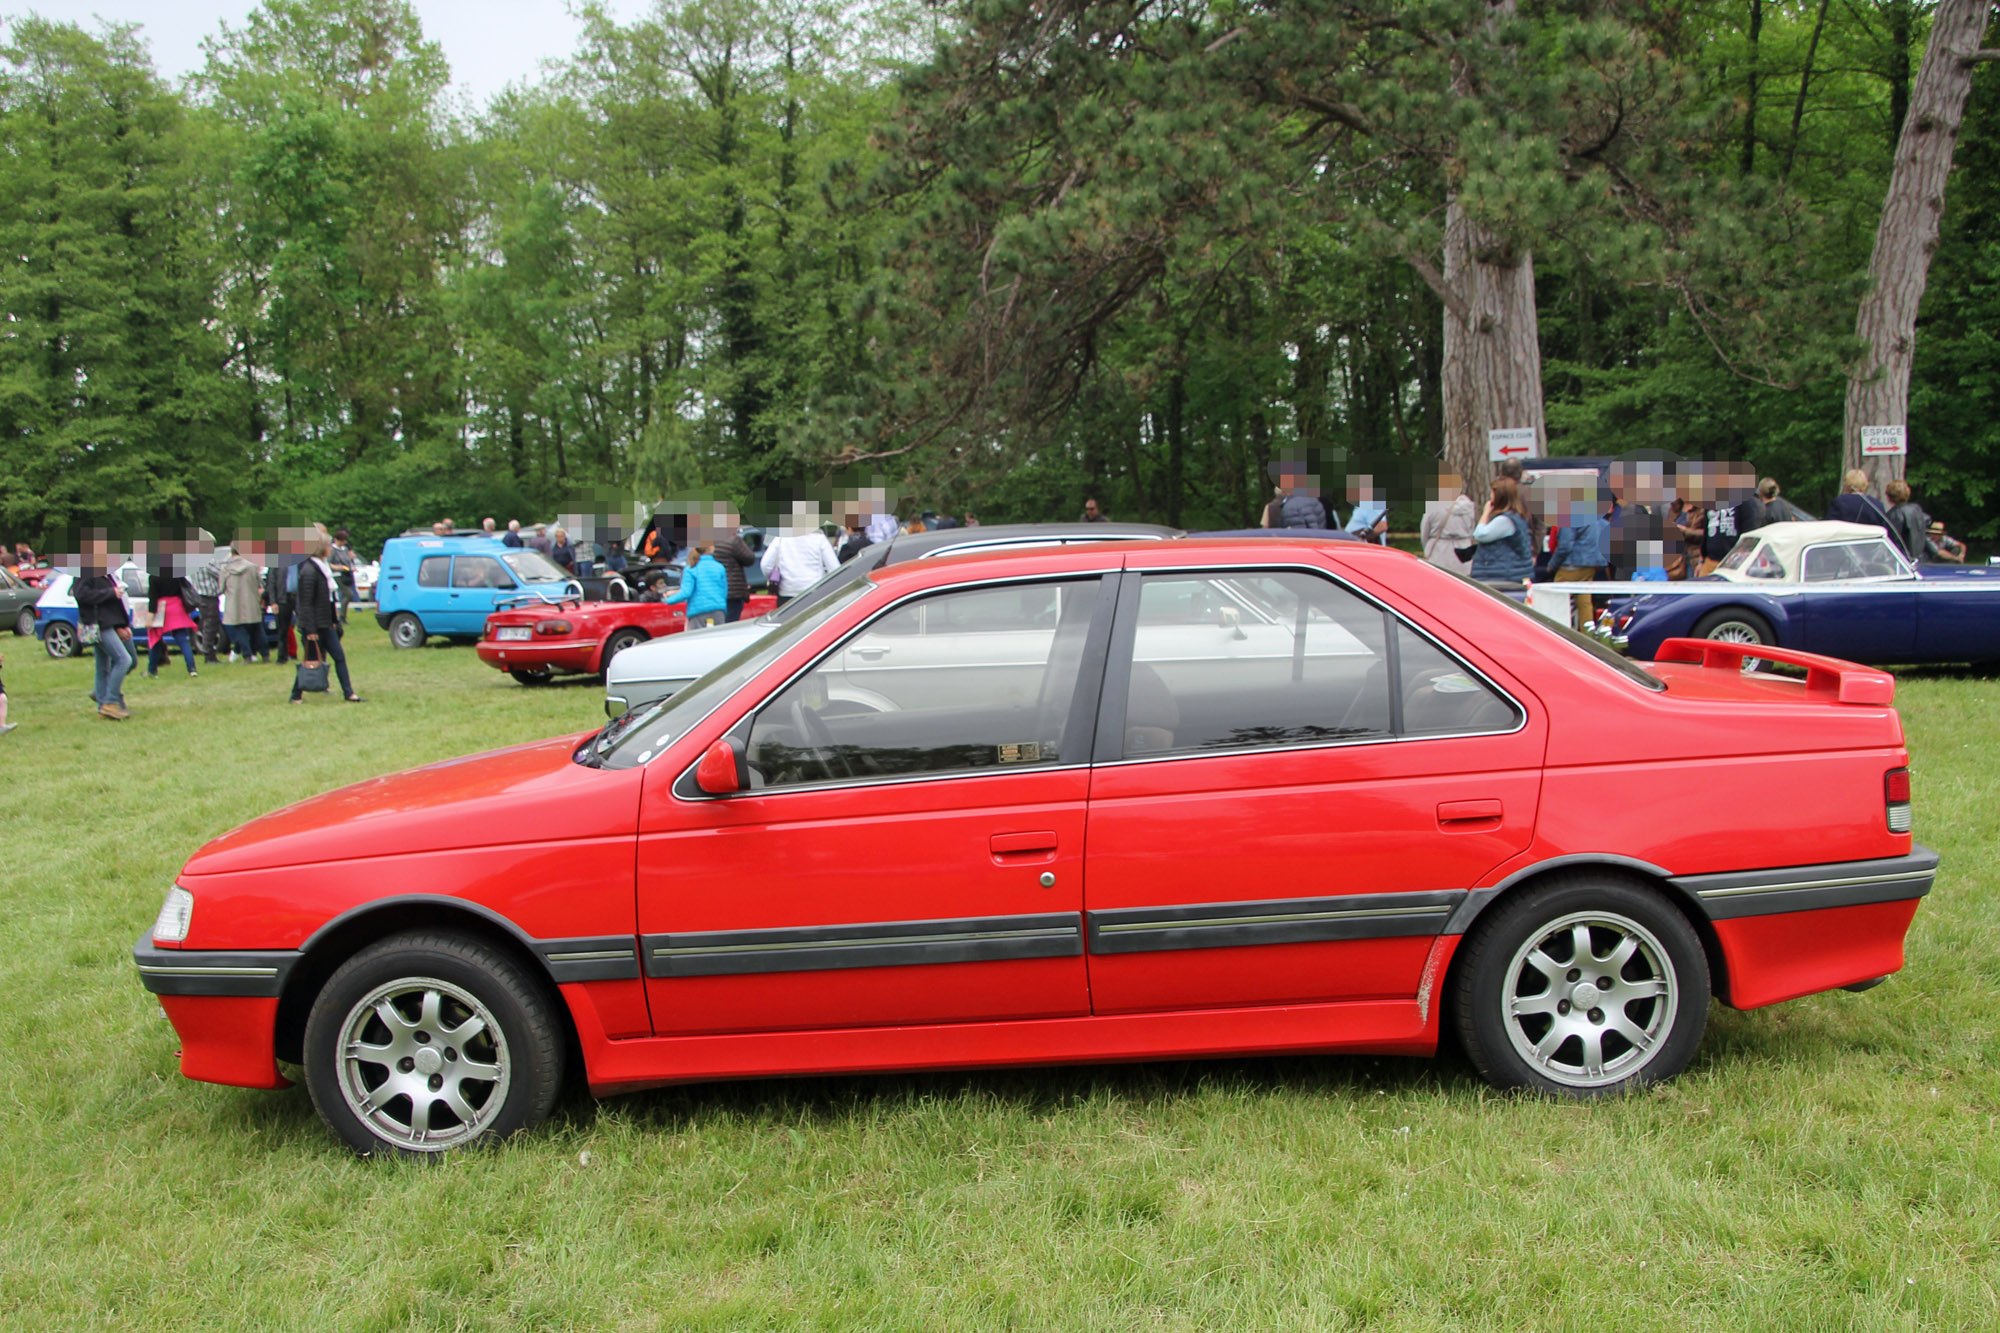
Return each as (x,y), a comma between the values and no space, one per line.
(1291,897)
(581,637)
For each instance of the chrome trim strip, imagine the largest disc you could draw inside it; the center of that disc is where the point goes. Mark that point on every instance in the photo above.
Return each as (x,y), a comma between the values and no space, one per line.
(1740,893)
(156,971)
(845,945)
(588,955)
(1751,889)
(1270,921)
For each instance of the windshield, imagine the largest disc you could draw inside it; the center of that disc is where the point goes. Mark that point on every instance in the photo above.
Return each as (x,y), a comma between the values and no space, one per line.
(634,739)
(1624,666)
(534,567)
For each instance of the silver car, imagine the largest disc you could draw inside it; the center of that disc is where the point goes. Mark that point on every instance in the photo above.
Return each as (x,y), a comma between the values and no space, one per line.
(664,666)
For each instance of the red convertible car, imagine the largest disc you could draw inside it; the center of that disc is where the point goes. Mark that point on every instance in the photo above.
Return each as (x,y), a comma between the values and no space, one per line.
(1091,803)
(534,643)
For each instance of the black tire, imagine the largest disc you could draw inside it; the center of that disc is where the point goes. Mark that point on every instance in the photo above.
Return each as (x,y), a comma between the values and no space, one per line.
(538,676)
(432,979)
(60,639)
(1520,1019)
(619,641)
(24,624)
(1736,624)
(406,631)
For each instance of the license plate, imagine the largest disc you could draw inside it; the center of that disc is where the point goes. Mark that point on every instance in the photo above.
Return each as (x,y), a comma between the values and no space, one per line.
(513,632)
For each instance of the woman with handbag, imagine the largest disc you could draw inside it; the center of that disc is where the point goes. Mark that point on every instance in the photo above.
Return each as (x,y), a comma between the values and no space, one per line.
(1447,525)
(172,619)
(318,624)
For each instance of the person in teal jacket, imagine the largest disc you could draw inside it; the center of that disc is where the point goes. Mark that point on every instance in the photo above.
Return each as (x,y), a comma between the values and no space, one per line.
(704,587)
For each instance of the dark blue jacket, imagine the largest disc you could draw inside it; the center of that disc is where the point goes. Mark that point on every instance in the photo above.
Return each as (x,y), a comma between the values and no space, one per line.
(1509,559)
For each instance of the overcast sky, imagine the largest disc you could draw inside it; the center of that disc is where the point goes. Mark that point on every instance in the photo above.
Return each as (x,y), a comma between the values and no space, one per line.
(490,43)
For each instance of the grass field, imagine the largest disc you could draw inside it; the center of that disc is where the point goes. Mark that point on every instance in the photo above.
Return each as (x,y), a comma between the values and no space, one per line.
(1828,1164)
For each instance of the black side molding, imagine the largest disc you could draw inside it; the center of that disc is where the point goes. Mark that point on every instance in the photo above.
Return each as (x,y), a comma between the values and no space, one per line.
(1358,916)
(711,953)
(1741,893)
(236,972)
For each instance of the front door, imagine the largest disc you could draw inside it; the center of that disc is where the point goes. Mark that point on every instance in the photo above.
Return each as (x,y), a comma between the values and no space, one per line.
(1879,625)
(1296,789)
(908,852)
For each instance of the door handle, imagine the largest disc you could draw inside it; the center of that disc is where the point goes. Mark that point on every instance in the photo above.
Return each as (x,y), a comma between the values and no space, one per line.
(871,654)
(1023,848)
(1463,816)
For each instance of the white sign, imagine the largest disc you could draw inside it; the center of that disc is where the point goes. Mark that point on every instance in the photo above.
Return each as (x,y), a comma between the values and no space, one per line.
(1502,445)
(1884,441)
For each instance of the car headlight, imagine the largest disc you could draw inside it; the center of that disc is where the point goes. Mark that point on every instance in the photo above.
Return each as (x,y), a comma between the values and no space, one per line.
(176,915)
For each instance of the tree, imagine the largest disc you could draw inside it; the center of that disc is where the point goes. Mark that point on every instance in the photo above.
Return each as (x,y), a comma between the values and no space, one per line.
(1878,388)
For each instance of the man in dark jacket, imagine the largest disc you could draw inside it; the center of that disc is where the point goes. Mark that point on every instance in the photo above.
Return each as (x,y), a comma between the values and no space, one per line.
(99,602)
(317,620)
(1908,523)
(736,557)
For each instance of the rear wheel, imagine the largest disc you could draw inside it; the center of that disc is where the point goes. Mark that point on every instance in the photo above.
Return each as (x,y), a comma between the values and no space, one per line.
(406,631)
(538,676)
(619,642)
(60,640)
(1582,987)
(24,624)
(426,1042)
(1736,625)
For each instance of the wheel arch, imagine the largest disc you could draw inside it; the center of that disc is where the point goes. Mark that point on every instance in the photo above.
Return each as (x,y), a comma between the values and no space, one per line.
(604,653)
(1629,869)
(354,930)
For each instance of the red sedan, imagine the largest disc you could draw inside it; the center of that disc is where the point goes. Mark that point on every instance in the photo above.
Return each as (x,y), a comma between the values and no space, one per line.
(533,643)
(1126,802)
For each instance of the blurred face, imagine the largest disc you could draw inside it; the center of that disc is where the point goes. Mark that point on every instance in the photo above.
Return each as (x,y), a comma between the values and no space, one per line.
(1090,508)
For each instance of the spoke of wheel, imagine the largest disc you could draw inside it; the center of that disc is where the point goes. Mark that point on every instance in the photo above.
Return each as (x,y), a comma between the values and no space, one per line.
(1579,941)
(466,1031)
(1546,1048)
(429,1014)
(1646,988)
(1616,1020)
(1615,962)
(1593,1051)
(420,1116)
(1521,1006)
(478,1073)
(1546,965)
(454,1097)
(392,1018)
(370,1054)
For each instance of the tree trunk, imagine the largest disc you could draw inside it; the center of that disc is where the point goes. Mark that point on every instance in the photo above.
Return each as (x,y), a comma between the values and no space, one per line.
(1750,97)
(1492,372)
(1878,385)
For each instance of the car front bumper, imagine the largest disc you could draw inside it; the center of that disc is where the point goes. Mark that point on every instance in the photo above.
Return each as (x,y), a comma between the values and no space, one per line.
(224,1007)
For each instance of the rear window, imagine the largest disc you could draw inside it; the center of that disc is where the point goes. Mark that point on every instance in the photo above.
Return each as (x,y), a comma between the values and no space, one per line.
(1624,666)
(1754,559)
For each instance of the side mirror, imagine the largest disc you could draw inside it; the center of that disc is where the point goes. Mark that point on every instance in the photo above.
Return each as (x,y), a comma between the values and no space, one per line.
(722,771)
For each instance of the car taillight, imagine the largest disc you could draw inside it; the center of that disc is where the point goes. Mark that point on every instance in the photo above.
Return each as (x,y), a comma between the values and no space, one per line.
(553,627)
(1896,796)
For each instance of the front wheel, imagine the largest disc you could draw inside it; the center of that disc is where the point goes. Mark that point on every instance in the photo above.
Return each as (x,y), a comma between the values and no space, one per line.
(619,642)
(426,1042)
(406,631)
(1582,987)
(60,639)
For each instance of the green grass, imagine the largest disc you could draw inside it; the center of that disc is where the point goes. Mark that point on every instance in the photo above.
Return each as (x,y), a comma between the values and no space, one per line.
(1828,1164)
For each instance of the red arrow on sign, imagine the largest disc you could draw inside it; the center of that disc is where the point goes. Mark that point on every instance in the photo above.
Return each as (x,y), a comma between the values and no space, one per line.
(1507,449)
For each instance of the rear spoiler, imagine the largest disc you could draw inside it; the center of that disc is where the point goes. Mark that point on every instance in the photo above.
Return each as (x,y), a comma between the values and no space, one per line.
(1846,682)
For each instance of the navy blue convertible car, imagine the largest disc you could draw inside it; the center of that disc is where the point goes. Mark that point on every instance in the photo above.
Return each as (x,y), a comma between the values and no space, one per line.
(1874,607)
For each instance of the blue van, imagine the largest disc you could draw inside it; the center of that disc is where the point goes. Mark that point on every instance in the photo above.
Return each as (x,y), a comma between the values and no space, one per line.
(449,585)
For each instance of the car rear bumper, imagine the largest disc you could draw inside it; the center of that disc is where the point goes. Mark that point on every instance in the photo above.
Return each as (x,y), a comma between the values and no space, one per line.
(552,655)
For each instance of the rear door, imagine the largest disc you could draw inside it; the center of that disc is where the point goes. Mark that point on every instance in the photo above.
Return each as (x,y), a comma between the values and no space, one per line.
(1271,827)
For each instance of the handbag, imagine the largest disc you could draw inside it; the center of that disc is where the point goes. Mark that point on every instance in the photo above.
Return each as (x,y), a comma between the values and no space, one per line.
(1466,552)
(312,667)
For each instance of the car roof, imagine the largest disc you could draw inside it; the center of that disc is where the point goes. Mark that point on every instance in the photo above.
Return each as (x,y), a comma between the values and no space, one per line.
(483,542)
(1789,538)
(915,545)
(1092,555)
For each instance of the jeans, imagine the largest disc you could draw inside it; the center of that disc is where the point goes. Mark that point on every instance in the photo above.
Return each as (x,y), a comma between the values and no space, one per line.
(733,610)
(283,645)
(247,640)
(114,659)
(156,656)
(329,644)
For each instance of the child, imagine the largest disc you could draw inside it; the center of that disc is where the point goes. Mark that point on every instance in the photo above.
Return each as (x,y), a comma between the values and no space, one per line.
(5,725)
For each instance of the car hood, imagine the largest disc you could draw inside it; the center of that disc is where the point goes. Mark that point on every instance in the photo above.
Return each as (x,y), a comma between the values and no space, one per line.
(529,793)
(684,656)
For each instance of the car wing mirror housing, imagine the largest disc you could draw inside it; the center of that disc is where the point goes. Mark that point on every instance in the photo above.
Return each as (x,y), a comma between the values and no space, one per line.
(724,770)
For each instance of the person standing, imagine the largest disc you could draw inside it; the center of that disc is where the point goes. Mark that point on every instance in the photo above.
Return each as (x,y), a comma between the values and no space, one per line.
(1447,525)
(169,596)
(736,558)
(540,540)
(704,588)
(562,552)
(342,563)
(5,725)
(1369,519)
(513,534)
(205,580)
(1777,509)
(797,561)
(1855,505)
(1908,523)
(1583,549)
(281,591)
(1294,507)
(1506,551)
(1091,513)
(243,606)
(319,629)
(101,602)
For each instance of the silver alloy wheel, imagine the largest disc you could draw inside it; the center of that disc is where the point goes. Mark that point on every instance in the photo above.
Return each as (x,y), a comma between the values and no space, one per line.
(24,624)
(414,1048)
(1736,631)
(1590,997)
(60,639)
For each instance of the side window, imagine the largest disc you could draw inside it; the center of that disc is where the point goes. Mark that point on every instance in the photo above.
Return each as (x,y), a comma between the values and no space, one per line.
(961,681)
(1874,560)
(477,571)
(434,571)
(1242,660)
